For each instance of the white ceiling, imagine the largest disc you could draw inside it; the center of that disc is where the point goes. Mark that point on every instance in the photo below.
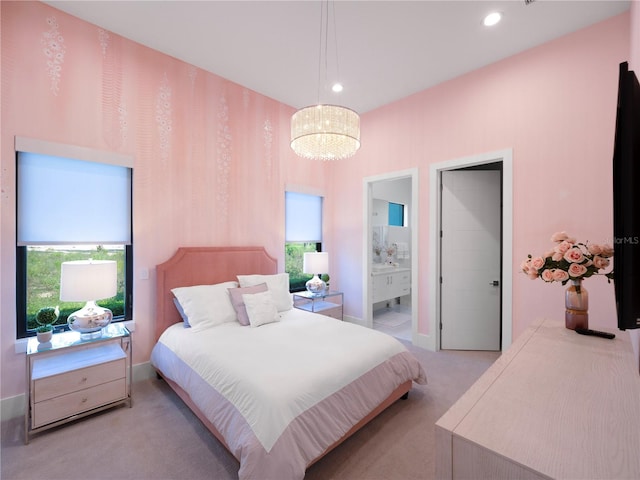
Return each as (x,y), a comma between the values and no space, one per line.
(386,50)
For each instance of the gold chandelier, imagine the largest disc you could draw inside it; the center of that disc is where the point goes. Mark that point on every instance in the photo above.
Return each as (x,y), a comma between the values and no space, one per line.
(325,132)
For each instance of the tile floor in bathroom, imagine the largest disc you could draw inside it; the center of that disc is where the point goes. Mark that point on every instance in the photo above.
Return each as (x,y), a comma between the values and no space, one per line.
(394,320)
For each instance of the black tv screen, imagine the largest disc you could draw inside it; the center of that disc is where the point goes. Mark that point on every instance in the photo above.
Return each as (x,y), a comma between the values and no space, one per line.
(626,201)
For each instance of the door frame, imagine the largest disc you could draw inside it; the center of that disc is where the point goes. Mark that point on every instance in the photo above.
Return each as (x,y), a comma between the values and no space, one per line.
(435,221)
(367,243)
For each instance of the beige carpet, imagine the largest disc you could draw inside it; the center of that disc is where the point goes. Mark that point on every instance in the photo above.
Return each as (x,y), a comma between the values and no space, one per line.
(159,438)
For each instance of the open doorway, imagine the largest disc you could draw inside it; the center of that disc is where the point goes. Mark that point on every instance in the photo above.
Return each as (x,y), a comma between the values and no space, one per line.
(390,260)
(503,275)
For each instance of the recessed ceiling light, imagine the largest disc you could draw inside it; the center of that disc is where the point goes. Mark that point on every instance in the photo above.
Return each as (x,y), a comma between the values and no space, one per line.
(491,19)
(337,87)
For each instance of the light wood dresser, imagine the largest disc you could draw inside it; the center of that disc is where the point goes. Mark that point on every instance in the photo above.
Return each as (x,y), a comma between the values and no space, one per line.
(555,405)
(68,378)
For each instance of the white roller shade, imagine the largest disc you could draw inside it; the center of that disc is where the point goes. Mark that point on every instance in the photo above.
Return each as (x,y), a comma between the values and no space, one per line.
(68,201)
(303,218)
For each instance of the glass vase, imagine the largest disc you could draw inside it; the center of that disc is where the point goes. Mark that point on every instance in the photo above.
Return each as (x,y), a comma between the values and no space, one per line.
(576,302)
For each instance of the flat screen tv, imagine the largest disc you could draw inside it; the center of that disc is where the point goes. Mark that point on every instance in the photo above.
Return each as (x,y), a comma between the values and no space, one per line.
(626,201)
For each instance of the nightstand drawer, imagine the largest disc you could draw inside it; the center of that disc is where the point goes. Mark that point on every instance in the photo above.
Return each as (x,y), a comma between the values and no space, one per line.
(64,406)
(56,385)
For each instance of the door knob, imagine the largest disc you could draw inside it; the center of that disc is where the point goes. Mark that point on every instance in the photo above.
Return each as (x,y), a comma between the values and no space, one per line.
(495,283)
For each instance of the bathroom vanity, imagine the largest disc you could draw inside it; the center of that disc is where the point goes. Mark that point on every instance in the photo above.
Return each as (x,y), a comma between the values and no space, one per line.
(389,282)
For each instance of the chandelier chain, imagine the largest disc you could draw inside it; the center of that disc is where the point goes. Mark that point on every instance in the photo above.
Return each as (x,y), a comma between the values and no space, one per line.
(326,10)
(320,50)
(325,132)
(335,42)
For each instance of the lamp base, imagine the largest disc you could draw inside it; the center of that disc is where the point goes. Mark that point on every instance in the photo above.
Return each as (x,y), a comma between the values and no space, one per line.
(316,286)
(90,320)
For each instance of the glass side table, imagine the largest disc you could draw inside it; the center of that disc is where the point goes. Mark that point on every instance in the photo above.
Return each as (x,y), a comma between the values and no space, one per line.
(329,303)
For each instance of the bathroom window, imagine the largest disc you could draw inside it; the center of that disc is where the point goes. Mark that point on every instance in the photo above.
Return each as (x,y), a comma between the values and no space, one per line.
(396,214)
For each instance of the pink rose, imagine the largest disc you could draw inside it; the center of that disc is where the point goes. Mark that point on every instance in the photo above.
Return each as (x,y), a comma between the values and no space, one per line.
(557,257)
(560,275)
(533,274)
(559,237)
(537,263)
(577,270)
(525,266)
(600,262)
(563,247)
(607,250)
(574,255)
(594,249)
(547,275)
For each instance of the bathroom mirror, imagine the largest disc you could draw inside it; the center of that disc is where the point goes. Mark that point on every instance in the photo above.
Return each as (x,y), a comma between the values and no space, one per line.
(388,213)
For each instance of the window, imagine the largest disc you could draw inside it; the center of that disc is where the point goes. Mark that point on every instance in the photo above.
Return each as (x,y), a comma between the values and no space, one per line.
(69,209)
(294,255)
(303,233)
(396,214)
(41,280)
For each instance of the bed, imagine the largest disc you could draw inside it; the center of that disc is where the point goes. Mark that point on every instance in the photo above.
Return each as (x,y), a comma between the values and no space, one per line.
(279,387)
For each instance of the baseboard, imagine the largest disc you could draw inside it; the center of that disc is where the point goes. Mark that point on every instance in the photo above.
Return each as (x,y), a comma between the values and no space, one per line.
(356,320)
(418,339)
(12,407)
(143,371)
(424,341)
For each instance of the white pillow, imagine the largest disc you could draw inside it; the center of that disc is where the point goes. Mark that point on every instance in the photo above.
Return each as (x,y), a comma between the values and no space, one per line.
(260,308)
(206,305)
(278,286)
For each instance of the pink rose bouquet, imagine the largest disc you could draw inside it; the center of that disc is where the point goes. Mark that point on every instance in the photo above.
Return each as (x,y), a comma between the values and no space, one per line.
(569,260)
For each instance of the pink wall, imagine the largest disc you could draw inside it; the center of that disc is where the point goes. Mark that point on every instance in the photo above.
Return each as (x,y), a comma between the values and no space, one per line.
(212,158)
(634,64)
(554,105)
(634,57)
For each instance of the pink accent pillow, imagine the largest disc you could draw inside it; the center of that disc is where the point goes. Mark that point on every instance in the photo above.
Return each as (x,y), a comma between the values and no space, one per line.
(238,302)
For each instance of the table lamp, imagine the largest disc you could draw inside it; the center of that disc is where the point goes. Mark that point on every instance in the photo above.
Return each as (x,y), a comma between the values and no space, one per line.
(316,263)
(88,281)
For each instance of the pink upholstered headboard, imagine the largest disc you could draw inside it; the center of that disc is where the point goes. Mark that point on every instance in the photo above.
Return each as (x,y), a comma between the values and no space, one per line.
(204,266)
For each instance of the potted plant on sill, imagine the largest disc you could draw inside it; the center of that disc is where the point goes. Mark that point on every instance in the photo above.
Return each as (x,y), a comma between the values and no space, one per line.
(45,318)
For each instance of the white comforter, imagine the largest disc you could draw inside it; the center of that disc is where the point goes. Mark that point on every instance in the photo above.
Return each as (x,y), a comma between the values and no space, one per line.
(271,375)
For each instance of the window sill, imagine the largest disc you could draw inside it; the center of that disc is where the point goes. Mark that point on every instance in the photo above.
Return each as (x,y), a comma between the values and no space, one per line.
(21,343)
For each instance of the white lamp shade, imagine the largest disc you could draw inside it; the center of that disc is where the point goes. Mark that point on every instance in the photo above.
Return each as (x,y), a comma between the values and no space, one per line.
(88,280)
(315,262)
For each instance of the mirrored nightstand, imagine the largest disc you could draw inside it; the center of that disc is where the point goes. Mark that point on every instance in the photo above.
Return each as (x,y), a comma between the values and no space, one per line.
(329,303)
(68,378)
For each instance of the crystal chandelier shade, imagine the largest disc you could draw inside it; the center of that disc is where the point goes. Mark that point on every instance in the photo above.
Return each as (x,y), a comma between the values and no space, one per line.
(325,132)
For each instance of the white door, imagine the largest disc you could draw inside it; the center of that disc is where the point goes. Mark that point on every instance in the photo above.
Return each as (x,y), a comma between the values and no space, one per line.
(470,260)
